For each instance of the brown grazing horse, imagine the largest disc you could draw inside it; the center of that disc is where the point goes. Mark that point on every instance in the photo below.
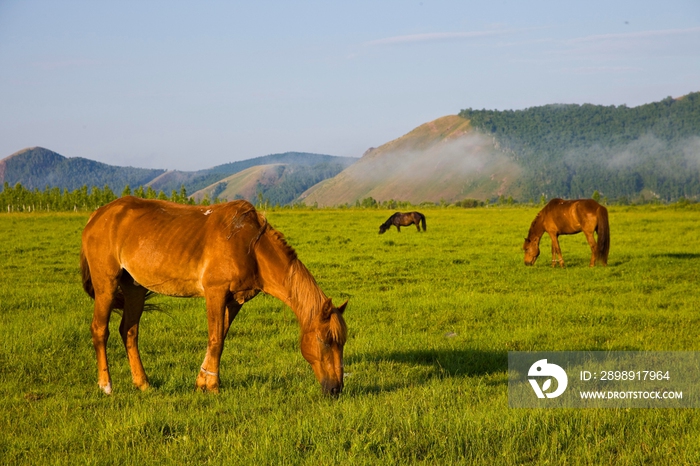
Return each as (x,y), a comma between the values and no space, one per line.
(561,217)
(403,220)
(226,253)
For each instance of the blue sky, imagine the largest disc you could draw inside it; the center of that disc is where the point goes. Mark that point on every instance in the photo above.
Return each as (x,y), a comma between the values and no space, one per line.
(190,85)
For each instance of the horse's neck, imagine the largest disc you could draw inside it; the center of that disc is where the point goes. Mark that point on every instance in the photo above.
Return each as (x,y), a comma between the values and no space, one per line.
(537,228)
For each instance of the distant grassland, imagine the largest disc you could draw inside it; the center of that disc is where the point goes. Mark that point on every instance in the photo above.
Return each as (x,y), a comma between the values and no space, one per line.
(431,318)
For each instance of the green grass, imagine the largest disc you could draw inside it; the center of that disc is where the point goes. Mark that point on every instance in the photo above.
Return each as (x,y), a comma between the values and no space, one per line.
(431,319)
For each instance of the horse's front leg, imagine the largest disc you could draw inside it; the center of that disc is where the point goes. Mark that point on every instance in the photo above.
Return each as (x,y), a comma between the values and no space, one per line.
(208,377)
(232,308)
(556,251)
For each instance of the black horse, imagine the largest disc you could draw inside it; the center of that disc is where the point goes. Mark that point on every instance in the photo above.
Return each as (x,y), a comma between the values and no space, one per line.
(403,220)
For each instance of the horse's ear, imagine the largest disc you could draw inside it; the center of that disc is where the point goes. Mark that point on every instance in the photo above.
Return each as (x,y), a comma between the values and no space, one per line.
(341,308)
(326,308)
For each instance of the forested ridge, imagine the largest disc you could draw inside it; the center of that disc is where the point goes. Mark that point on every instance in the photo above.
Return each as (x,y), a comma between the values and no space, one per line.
(568,150)
(38,167)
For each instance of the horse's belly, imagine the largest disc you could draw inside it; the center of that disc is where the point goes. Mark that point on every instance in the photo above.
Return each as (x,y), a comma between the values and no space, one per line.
(163,281)
(178,289)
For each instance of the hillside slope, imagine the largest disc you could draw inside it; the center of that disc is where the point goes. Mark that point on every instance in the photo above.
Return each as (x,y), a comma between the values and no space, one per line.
(242,185)
(444,159)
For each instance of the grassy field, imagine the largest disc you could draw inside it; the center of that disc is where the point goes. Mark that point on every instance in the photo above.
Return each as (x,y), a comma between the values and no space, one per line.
(432,317)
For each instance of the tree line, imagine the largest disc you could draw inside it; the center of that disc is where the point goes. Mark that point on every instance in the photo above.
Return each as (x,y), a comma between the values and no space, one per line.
(20,199)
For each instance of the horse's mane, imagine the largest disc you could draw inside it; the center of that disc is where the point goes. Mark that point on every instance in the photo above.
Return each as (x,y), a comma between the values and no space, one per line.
(389,223)
(535,222)
(305,292)
(281,241)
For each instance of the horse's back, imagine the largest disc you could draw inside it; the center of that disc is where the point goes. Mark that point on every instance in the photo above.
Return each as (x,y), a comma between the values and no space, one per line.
(149,217)
(167,247)
(571,216)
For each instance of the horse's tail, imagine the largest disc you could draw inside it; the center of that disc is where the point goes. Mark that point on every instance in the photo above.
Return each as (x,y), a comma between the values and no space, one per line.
(422,221)
(117,301)
(603,234)
(85,272)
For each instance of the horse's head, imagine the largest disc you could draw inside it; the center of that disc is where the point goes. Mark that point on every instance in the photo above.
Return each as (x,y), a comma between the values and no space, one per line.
(383,227)
(322,346)
(532,251)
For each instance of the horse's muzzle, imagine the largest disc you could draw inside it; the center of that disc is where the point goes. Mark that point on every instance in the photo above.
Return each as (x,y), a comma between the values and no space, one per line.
(332,388)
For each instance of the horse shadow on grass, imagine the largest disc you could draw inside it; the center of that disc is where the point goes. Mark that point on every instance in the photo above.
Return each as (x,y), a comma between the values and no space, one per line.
(440,363)
(677,255)
(431,364)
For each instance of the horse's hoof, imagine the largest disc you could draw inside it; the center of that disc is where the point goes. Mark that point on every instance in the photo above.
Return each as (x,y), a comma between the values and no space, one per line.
(205,389)
(107,389)
(143,386)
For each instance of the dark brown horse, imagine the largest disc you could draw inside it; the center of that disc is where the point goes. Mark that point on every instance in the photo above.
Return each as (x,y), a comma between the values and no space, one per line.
(403,220)
(226,253)
(561,217)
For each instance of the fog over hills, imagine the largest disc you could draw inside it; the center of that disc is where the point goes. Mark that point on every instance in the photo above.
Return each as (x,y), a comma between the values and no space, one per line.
(441,160)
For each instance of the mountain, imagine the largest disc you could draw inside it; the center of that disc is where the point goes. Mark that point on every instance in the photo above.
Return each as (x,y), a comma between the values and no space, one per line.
(445,159)
(36,168)
(566,150)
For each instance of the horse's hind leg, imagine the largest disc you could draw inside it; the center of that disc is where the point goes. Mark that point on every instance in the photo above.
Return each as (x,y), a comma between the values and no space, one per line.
(134,299)
(594,247)
(105,290)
